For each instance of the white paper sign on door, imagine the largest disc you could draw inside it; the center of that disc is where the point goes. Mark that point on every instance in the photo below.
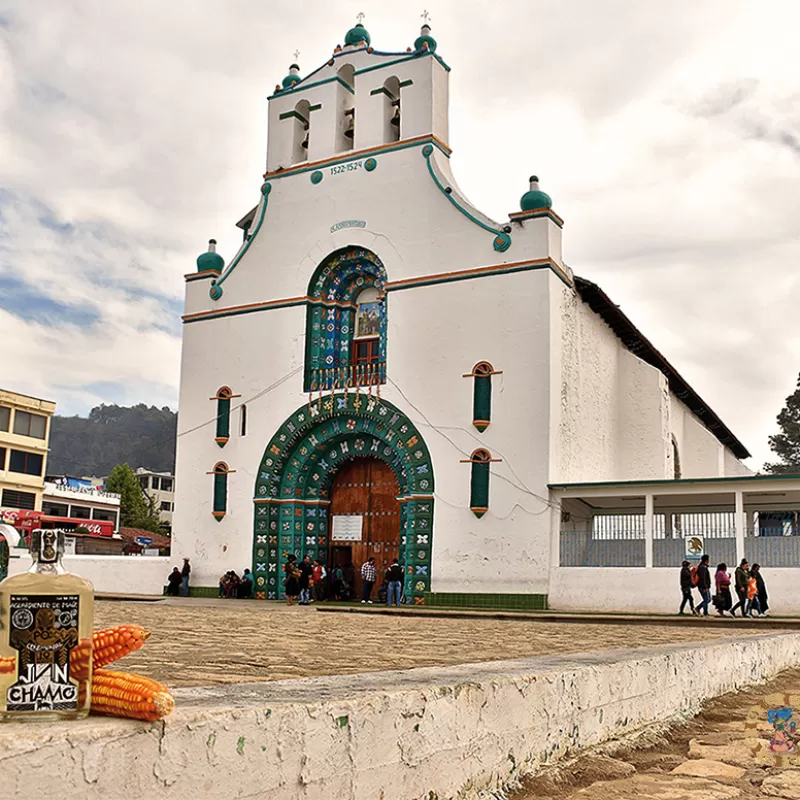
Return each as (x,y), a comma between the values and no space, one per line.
(347,528)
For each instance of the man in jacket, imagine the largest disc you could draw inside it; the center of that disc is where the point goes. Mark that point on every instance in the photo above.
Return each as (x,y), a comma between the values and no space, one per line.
(686,588)
(704,585)
(741,579)
(395,584)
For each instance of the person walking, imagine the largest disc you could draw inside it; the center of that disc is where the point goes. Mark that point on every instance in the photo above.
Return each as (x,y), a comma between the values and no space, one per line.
(395,584)
(752,595)
(291,583)
(306,572)
(761,591)
(722,599)
(741,578)
(368,575)
(704,585)
(686,588)
(185,572)
(174,582)
(318,574)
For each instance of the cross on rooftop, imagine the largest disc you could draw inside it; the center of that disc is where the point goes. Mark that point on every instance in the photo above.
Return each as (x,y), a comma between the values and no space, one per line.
(360,17)
(296,54)
(425,16)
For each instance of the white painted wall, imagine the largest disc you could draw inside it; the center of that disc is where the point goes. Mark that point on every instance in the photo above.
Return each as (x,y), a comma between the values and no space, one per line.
(650,591)
(468,731)
(113,574)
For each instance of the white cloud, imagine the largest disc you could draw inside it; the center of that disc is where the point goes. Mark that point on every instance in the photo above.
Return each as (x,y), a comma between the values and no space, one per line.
(667,134)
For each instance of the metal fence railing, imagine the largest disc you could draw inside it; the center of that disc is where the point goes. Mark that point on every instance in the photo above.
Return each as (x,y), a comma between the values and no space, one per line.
(619,541)
(587,549)
(772,547)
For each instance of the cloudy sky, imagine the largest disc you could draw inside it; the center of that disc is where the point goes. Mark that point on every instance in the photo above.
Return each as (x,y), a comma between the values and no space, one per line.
(668,135)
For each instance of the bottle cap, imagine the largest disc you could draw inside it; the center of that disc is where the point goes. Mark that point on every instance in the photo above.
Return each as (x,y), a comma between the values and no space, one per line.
(47,546)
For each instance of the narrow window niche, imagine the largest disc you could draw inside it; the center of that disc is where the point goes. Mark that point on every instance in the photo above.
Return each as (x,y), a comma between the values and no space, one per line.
(220,504)
(482,394)
(223,398)
(479,481)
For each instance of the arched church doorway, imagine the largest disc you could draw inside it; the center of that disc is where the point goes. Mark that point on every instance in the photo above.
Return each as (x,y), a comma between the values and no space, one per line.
(365,518)
(300,476)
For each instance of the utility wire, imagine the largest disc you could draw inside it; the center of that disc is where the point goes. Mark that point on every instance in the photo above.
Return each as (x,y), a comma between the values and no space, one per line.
(245,402)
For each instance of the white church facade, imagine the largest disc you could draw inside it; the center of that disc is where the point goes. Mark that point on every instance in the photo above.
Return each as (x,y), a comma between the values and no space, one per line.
(382,370)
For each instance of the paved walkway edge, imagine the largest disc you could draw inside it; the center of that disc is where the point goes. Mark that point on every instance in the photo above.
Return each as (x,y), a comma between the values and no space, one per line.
(439,732)
(687,620)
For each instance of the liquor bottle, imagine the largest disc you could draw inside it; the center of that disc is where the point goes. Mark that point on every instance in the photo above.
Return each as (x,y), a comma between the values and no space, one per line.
(45,637)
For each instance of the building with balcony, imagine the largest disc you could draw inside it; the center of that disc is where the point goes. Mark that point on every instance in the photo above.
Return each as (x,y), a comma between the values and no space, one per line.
(24,443)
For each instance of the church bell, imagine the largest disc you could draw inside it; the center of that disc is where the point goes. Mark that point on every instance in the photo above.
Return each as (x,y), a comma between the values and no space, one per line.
(395,120)
(350,127)
(304,143)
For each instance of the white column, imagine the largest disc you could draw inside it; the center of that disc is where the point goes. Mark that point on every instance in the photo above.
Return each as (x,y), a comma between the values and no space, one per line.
(555,536)
(648,530)
(738,525)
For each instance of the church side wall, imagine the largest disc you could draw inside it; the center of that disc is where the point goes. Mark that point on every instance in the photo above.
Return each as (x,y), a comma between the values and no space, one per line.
(702,455)
(642,424)
(616,413)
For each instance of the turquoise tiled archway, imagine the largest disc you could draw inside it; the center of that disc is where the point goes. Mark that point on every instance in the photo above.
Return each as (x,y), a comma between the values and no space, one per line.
(291,493)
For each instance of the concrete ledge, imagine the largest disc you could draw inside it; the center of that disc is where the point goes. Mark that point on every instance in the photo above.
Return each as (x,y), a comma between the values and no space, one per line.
(435,732)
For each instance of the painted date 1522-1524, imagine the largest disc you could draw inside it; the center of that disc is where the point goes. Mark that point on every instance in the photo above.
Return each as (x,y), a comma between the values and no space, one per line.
(348,167)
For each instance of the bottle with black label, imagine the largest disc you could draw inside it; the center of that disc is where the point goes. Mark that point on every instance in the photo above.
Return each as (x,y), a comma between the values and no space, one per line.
(45,637)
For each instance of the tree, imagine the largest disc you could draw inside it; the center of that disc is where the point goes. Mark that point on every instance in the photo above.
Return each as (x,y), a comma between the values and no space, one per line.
(786,444)
(135,510)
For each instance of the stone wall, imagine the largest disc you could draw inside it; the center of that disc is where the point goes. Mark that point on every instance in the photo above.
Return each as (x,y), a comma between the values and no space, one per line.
(435,732)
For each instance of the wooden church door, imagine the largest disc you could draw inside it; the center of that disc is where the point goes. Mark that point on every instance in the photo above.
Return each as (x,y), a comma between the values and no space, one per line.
(365,488)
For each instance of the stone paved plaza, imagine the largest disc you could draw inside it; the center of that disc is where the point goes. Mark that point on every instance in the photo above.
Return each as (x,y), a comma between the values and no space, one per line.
(711,756)
(199,642)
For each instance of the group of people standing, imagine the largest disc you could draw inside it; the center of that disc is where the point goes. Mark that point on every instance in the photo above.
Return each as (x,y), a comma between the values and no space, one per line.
(178,580)
(305,581)
(231,585)
(748,583)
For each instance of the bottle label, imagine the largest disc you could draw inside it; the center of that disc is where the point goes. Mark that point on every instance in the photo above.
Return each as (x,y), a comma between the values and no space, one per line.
(43,630)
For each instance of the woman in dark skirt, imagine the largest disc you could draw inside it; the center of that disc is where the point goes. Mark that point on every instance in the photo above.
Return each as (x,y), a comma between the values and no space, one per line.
(291,582)
(723,600)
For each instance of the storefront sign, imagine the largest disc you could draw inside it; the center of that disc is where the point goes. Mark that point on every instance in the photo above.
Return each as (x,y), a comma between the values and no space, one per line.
(347,528)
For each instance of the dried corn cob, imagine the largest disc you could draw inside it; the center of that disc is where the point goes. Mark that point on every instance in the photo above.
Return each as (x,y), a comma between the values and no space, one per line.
(7,664)
(122,694)
(112,644)
(79,660)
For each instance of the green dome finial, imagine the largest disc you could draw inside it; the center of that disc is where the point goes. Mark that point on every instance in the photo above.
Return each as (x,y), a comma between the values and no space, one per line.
(535,198)
(210,260)
(357,35)
(425,41)
(292,78)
